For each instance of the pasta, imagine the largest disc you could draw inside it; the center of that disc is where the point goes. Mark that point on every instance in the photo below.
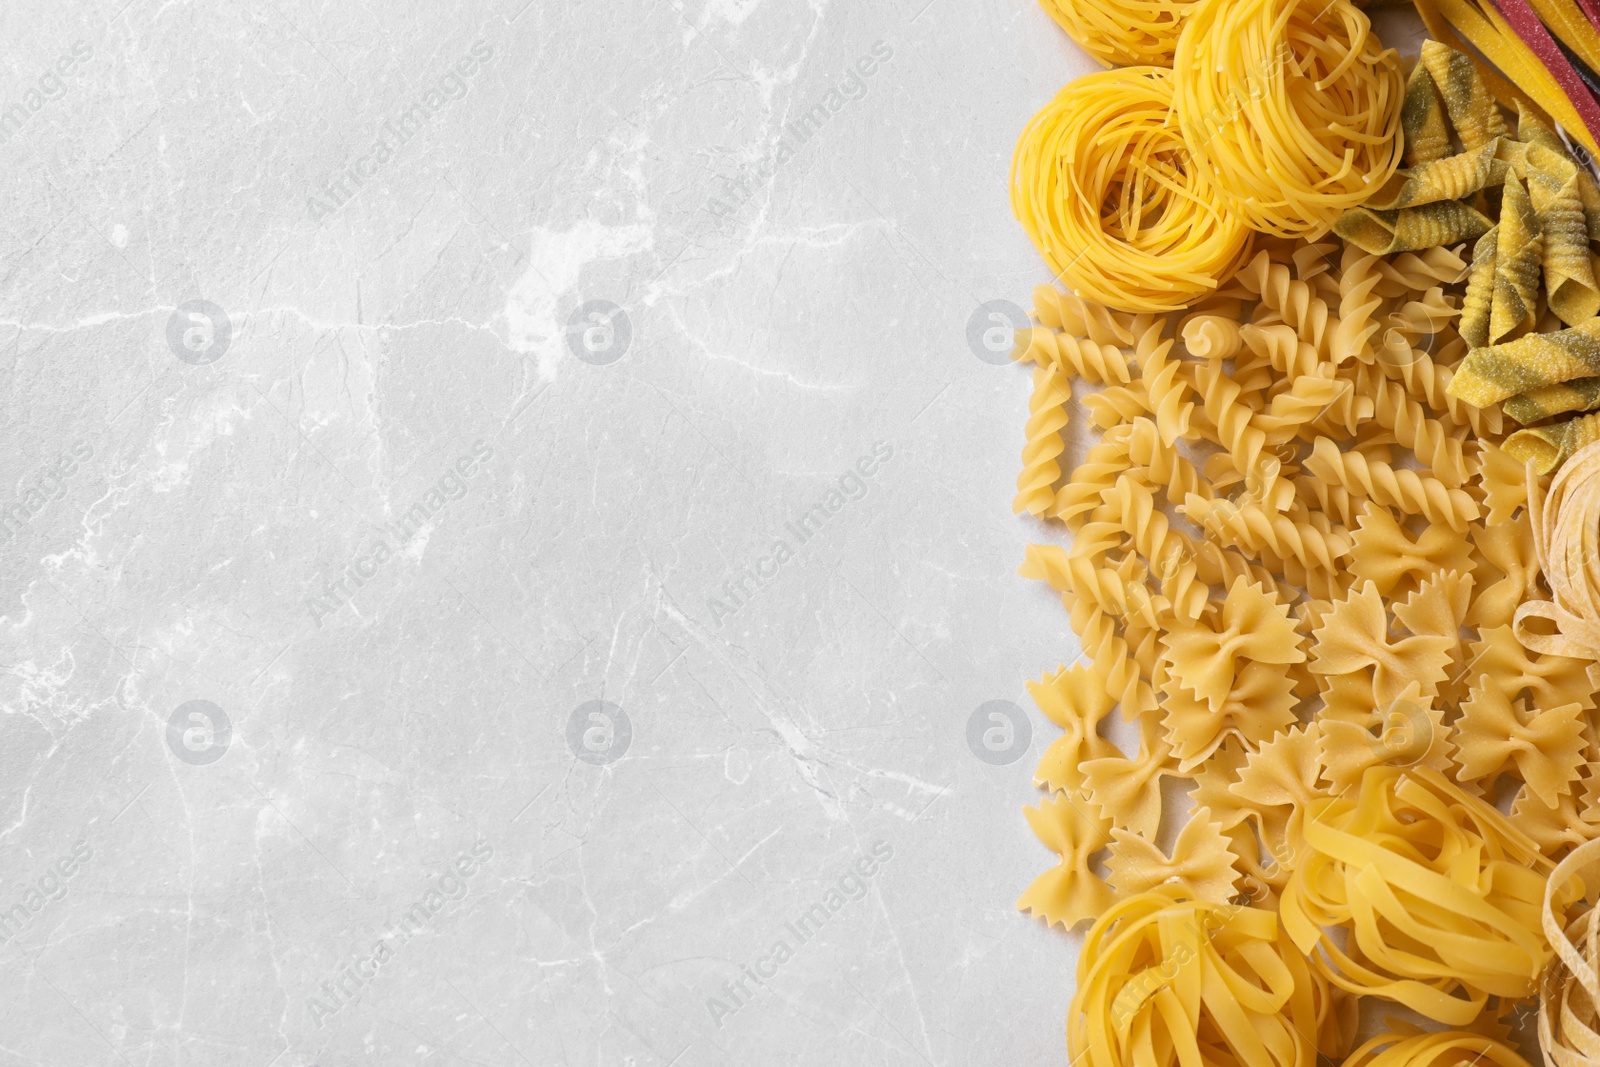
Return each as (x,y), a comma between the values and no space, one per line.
(1122,32)
(1253,77)
(1047,416)
(1383,483)
(1548,447)
(1165,979)
(1422,124)
(1489,375)
(1201,863)
(1566,526)
(1569,1009)
(1305,562)
(1103,184)
(1536,405)
(1456,919)
(1450,1048)
(1410,228)
(1070,892)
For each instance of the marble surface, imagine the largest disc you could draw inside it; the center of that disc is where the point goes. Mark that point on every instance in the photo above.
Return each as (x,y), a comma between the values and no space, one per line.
(507,524)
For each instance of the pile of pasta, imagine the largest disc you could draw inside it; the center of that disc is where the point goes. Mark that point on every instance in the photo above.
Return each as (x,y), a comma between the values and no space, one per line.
(1531,310)
(1334,553)
(1296,567)
(1141,185)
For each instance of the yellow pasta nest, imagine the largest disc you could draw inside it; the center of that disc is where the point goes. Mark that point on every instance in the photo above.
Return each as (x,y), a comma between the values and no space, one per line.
(1164,979)
(1450,1048)
(1291,108)
(1569,1002)
(1122,32)
(1104,185)
(1441,895)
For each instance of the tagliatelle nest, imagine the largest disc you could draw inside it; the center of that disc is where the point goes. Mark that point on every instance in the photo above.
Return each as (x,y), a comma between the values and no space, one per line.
(1164,979)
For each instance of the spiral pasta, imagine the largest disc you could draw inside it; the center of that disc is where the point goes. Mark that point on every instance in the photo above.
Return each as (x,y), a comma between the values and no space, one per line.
(1291,108)
(1103,184)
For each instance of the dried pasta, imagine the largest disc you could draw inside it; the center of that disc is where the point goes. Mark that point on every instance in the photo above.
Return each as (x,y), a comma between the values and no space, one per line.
(1253,77)
(1566,528)
(1440,891)
(1164,979)
(1310,561)
(1103,184)
(1122,32)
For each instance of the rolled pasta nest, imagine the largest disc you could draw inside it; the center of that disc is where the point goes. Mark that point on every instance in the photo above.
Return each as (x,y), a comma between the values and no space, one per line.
(1291,108)
(1569,1002)
(1122,32)
(1165,979)
(1440,893)
(1103,184)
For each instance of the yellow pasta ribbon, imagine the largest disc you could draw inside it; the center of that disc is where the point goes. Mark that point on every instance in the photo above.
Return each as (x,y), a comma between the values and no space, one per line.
(1165,980)
(1439,892)
(1569,1004)
(1565,535)
(1449,1048)
(1122,32)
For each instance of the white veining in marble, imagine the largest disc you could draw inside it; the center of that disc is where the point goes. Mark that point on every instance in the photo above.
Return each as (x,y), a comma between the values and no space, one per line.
(503,528)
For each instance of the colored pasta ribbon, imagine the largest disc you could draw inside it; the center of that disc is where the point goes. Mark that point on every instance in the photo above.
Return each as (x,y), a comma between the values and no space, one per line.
(1548,447)
(1411,228)
(1527,81)
(1536,405)
(1103,184)
(1566,532)
(1165,980)
(1489,375)
(1440,894)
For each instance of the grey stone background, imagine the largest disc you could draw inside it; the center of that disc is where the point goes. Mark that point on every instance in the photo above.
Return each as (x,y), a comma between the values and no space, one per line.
(373,690)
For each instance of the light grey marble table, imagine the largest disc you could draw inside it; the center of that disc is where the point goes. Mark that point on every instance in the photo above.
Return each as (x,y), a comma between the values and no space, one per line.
(507,523)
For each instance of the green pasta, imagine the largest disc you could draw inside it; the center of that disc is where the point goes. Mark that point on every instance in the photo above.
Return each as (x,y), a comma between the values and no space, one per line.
(1519,253)
(1532,129)
(1548,447)
(1536,405)
(1446,179)
(1422,120)
(1413,228)
(1489,375)
(1474,324)
(1568,278)
(1472,108)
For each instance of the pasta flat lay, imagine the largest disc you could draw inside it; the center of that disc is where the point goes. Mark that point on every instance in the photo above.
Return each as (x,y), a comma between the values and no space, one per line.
(1329,319)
